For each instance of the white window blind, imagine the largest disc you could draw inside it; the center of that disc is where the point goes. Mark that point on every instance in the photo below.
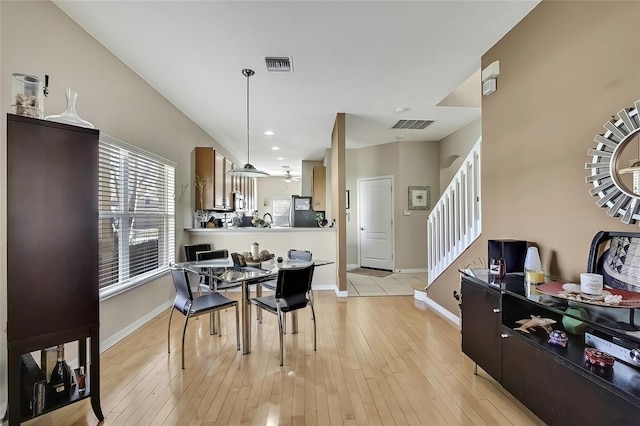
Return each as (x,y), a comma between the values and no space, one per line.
(137,216)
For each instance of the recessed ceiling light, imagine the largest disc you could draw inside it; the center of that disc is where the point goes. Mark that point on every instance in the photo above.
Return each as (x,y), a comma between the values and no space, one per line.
(269,133)
(401,109)
(275,148)
(280,158)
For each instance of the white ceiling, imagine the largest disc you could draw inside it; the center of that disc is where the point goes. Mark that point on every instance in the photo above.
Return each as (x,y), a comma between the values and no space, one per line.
(363,58)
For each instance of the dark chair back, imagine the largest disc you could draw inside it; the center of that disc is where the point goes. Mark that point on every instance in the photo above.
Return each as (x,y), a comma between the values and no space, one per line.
(184,297)
(295,254)
(190,250)
(212,254)
(612,255)
(293,286)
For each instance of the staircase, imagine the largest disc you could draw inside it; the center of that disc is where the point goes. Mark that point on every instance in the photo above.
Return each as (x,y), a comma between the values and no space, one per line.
(456,220)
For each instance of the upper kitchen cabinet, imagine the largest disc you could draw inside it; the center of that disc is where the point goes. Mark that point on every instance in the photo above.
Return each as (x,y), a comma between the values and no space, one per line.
(204,177)
(228,182)
(319,188)
(211,180)
(219,198)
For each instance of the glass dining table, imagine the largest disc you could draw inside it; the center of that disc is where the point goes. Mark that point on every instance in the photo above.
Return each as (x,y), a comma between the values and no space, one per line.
(223,270)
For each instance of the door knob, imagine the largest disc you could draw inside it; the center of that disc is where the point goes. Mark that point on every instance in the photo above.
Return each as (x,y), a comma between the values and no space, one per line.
(504,335)
(362,229)
(496,310)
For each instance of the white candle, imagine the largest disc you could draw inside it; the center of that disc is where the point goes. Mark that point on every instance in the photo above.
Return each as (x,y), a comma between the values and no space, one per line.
(591,283)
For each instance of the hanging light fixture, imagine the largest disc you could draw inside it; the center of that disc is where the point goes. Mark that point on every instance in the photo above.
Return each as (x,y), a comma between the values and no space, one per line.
(248,170)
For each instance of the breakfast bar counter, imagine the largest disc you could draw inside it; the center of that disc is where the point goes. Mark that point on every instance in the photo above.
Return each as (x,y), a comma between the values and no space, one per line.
(320,241)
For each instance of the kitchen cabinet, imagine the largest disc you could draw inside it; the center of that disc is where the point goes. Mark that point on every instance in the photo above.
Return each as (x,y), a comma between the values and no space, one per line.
(219,198)
(204,165)
(228,184)
(553,382)
(210,168)
(482,322)
(319,188)
(52,264)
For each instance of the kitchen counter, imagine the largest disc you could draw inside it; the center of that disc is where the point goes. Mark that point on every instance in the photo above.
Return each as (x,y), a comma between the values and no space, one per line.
(320,241)
(254,229)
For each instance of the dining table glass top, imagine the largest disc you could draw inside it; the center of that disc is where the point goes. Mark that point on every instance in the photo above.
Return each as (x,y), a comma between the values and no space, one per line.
(224,270)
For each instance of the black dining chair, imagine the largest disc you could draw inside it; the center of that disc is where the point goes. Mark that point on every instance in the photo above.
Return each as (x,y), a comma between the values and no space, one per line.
(190,252)
(293,292)
(292,254)
(212,255)
(190,306)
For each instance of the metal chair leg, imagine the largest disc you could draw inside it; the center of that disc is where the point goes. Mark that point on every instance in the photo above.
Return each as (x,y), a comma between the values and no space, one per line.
(184,331)
(169,332)
(281,338)
(313,317)
(237,327)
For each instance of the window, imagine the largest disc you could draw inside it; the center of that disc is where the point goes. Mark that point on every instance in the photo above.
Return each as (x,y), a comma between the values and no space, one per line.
(137,216)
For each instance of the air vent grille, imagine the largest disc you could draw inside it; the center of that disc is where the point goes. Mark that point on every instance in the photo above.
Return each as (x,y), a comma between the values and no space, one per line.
(279,64)
(412,124)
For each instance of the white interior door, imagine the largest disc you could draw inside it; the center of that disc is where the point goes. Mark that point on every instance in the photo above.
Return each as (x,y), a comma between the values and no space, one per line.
(375,223)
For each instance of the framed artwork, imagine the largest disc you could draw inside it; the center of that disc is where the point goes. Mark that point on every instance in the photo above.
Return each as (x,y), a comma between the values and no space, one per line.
(419,197)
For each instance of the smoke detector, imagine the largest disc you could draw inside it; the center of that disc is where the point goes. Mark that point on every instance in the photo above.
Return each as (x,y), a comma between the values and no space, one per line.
(279,63)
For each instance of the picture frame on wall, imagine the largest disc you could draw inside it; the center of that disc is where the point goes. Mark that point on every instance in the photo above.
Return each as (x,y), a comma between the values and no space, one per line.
(419,198)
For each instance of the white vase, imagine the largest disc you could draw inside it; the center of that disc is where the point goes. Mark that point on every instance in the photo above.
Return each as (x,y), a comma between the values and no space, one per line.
(69,116)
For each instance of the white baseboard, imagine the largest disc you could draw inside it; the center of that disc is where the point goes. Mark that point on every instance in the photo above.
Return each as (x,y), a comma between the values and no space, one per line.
(422,296)
(410,271)
(112,340)
(352,266)
(339,293)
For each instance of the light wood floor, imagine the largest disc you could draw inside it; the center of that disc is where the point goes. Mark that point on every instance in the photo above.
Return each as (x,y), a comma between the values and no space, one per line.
(380,361)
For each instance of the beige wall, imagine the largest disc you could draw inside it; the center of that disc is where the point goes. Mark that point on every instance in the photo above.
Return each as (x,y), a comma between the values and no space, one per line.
(411,164)
(565,70)
(453,150)
(117,102)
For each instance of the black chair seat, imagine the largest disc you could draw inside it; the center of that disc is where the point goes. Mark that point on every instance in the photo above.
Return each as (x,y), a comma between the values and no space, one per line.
(210,302)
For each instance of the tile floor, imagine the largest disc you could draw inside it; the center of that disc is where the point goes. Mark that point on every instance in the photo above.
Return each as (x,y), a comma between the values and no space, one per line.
(392,285)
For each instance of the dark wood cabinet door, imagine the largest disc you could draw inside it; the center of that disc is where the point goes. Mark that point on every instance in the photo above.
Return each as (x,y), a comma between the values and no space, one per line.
(481,324)
(52,227)
(559,392)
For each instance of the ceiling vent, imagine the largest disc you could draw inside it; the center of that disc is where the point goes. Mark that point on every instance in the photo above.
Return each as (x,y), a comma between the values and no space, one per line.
(279,63)
(412,124)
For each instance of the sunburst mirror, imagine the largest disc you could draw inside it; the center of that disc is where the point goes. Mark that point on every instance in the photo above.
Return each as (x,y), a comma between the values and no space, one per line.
(615,166)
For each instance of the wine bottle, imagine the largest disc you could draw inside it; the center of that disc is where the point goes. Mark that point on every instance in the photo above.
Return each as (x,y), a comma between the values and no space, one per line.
(60,383)
(81,381)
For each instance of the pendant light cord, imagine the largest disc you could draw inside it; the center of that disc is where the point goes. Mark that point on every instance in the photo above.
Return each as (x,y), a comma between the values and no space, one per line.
(248,73)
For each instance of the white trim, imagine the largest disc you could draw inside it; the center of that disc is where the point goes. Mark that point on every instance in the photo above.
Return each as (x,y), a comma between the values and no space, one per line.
(422,296)
(339,293)
(352,266)
(112,340)
(455,221)
(411,271)
(393,222)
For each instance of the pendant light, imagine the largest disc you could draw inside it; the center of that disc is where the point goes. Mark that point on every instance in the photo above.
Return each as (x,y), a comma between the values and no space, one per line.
(248,170)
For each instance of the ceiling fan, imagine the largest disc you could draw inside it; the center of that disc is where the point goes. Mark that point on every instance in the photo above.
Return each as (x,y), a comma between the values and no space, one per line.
(288,178)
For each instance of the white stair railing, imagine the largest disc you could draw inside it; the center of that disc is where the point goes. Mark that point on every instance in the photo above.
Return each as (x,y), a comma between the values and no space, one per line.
(455,221)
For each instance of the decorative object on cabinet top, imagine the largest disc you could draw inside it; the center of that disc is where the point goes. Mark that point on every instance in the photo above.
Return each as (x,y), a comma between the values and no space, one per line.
(612,298)
(533,322)
(69,115)
(27,95)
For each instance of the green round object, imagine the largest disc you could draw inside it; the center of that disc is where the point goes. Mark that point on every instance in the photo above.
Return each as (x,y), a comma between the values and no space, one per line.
(573,325)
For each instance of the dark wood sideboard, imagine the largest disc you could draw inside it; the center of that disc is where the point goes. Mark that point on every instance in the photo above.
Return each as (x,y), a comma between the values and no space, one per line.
(52,252)
(553,382)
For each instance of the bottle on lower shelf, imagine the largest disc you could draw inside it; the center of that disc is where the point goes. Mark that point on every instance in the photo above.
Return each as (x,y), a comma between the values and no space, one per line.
(60,381)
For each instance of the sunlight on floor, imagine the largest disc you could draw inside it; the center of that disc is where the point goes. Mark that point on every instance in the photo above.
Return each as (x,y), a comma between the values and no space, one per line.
(392,285)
